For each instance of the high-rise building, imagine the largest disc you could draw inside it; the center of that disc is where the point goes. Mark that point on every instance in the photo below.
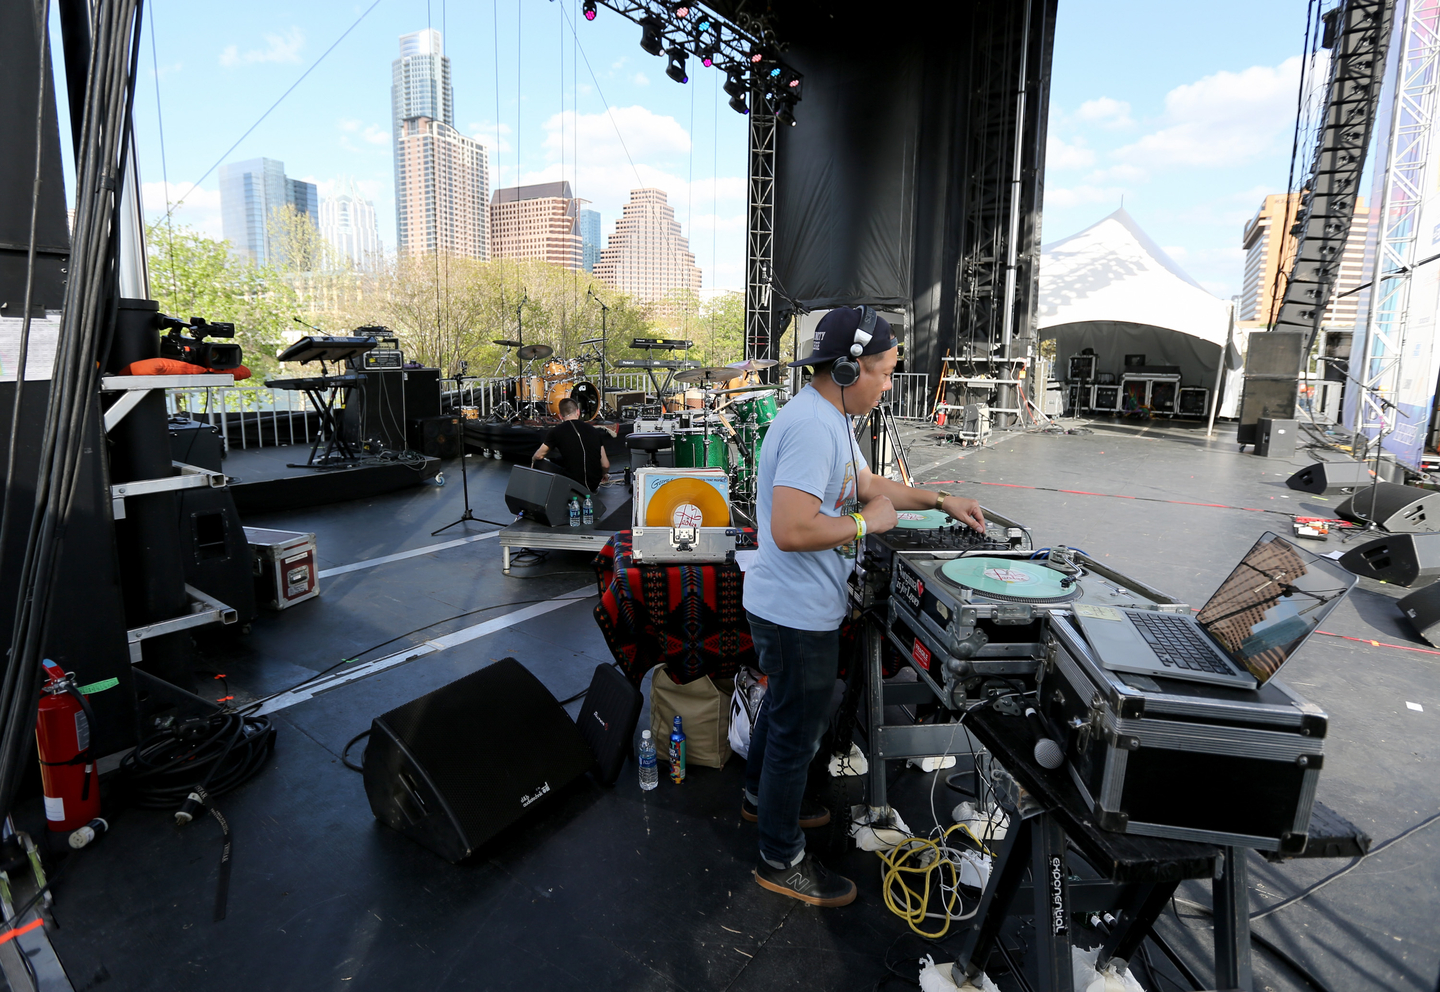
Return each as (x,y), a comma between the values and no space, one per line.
(1270,251)
(249,192)
(539,222)
(419,87)
(648,257)
(589,239)
(347,222)
(442,202)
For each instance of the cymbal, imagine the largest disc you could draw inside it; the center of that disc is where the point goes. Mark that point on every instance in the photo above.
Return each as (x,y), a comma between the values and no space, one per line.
(754,364)
(507,344)
(745,389)
(712,373)
(533,351)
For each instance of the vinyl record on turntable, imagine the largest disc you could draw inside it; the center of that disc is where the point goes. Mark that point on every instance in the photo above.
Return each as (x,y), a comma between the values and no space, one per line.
(1010,580)
(921,519)
(686,502)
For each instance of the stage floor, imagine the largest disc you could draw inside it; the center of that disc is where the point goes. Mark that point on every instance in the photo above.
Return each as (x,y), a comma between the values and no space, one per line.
(613,889)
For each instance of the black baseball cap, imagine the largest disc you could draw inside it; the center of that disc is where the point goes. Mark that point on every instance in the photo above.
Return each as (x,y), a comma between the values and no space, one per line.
(836,333)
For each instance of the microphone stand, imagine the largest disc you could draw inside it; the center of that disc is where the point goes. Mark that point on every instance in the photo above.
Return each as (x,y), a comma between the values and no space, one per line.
(469,515)
(1374,395)
(604,313)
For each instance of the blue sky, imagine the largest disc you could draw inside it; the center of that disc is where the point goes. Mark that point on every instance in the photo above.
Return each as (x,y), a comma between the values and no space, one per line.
(1185,111)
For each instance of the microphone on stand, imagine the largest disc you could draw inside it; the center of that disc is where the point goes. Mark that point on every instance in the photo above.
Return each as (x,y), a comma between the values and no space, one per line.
(303,324)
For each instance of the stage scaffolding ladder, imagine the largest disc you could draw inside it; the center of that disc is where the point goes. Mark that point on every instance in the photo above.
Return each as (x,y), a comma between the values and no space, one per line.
(760,240)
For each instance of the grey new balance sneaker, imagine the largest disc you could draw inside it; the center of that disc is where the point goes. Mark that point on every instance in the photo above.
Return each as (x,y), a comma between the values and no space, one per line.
(808,881)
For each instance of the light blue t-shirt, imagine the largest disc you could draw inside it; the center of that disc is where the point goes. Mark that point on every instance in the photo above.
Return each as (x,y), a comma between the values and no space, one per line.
(809,447)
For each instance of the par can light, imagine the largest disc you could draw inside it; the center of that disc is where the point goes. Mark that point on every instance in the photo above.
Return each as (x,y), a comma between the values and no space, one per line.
(588,9)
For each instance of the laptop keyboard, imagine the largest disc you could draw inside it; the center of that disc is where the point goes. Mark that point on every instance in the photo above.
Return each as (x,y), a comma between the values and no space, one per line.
(1178,645)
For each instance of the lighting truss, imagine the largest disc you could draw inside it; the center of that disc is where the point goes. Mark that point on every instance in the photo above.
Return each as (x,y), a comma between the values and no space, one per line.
(751,50)
(760,237)
(1408,167)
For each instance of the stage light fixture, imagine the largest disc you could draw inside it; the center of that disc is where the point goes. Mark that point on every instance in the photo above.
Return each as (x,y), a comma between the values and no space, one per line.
(707,56)
(775,72)
(704,24)
(588,9)
(756,55)
(790,83)
(737,104)
(682,10)
(785,110)
(650,36)
(735,84)
(676,69)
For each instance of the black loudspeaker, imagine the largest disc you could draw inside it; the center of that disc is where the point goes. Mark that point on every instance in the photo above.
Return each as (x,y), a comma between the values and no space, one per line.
(1330,477)
(453,768)
(215,551)
(1423,608)
(1398,509)
(196,443)
(438,437)
(607,720)
(1275,353)
(1275,438)
(543,497)
(1268,399)
(1399,559)
(422,393)
(375,409)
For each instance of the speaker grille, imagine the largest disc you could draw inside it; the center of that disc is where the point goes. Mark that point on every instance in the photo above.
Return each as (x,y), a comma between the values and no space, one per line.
(494,743)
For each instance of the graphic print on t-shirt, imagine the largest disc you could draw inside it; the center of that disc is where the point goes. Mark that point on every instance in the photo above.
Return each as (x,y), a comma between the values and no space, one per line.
(847,485)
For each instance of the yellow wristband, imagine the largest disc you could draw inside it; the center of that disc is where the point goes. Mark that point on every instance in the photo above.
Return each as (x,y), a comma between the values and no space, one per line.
(860,527)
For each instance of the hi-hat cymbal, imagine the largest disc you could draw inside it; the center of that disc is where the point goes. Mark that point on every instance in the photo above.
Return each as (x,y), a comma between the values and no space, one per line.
(754,364)
(745,389)
(507,344)
(712,373)
(533,351)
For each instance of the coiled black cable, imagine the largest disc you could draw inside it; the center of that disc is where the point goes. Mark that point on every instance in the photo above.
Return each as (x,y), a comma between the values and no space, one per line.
(213,756)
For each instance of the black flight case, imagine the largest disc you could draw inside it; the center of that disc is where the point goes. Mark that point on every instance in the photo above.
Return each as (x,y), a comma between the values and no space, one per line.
(1183,760)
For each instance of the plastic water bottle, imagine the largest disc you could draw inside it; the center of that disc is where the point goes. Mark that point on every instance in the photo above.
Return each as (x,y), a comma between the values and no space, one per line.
(587,512)
(649,775)
(574,511)
(677,753)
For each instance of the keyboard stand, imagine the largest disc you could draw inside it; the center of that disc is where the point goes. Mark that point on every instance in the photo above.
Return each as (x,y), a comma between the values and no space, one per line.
(338,453)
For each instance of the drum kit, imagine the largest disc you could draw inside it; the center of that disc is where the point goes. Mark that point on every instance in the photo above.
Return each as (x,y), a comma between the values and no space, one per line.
(718,419)
(543,380)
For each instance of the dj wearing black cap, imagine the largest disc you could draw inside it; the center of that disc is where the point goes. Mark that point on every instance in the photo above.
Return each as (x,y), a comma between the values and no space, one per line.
(816,499)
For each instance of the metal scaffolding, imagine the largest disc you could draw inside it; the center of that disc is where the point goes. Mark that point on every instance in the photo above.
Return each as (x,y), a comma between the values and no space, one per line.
(760,239)
(1407,164)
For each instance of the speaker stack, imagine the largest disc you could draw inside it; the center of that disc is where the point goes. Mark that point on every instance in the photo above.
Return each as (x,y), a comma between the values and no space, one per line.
(1398,509)
(1422,607)
(1325,478)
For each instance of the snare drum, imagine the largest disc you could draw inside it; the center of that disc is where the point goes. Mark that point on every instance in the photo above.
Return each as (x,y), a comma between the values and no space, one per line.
(530,389)
(691,399)
(697,449)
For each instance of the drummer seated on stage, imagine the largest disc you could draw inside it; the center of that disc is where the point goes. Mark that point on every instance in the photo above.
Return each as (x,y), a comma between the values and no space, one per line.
(575,449)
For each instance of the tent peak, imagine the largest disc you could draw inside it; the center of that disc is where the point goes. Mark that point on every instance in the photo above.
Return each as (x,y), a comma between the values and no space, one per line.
(1122,217)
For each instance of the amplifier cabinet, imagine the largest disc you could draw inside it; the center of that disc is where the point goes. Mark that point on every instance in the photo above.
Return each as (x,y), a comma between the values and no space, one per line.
(1165,758)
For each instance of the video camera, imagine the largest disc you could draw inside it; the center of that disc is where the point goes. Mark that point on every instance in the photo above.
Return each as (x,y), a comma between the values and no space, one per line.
(195,349)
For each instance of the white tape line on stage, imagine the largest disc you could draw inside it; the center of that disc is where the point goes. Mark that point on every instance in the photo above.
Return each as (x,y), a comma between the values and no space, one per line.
(466,634)
(402,555)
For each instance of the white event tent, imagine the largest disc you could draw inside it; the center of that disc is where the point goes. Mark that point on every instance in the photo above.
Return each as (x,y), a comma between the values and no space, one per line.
(1112,289)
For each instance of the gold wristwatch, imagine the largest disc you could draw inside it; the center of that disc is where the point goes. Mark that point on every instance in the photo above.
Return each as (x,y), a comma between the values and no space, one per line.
(940,496)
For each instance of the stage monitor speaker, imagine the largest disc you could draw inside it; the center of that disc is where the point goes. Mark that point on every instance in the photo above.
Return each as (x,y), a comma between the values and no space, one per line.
(1275,438)
(196,443)
(543,497)
(1276,353)
(453,768)
(437,437)
(215,550)
(1422,607)
(607,720)
(1399,559)
(1330,477)
(1398,509)
(1267,399)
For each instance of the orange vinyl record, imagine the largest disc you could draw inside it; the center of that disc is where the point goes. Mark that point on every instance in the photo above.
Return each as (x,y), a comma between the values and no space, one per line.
(660,510)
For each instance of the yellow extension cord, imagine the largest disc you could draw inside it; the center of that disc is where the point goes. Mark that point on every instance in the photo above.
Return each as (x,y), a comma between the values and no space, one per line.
(916,905)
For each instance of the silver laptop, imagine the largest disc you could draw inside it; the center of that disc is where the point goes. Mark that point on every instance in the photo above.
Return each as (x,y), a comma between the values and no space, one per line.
(1268,606)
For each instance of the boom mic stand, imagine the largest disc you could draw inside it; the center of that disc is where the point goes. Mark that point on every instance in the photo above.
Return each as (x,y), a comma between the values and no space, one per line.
(1373,394)
(469,515)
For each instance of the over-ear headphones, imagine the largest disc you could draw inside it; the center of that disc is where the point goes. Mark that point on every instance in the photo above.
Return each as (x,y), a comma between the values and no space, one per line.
(846,370)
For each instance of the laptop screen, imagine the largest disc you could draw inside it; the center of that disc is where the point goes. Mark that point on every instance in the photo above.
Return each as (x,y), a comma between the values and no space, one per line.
(1273,600)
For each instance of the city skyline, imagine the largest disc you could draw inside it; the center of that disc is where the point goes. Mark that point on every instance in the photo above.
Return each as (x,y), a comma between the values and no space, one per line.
(251,191)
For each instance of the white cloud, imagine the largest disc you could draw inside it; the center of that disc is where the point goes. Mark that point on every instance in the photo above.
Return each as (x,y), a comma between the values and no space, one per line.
(1075,196)
(1118,174)
(1227,118)
(485,133)
(372,133)
(1059,155)
(278,48)
(640,79)
(1105,112)
(201,209)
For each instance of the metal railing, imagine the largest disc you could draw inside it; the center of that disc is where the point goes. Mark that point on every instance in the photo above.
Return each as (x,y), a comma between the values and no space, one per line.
(909,397)
(248,416)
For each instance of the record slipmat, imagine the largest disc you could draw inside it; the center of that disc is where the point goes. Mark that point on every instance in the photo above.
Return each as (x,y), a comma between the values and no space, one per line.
(921,519)
(1009,579)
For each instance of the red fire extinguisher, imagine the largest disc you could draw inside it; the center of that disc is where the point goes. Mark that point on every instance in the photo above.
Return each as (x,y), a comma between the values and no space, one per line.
(67,769)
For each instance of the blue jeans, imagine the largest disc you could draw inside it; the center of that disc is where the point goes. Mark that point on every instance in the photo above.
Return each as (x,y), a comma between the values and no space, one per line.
(801,665)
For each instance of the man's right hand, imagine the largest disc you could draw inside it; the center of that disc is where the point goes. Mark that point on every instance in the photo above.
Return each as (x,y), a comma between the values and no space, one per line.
(879,515)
